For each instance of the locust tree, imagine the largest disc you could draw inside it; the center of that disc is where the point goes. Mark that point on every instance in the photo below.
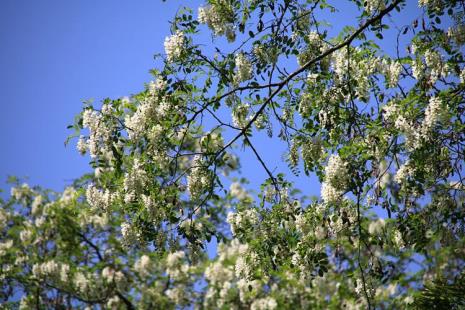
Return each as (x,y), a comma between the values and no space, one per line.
(374,109)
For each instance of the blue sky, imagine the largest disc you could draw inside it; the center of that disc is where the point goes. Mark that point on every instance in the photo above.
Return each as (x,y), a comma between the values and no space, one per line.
(54,54)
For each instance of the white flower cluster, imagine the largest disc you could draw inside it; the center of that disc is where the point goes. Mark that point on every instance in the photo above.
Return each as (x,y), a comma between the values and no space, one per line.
(418,69)
(457,33)
(175,266)
(129,234)
(95,220)
(340,63)
(81,282)
(245,265)
(398,240)
(238,192)
(311,152)
(98,199)
(362,67)
(433,114)
(177,294)
(393,113)
(336,178)
(215,16)
(392,72)
(372,6)
(108,274)
(135,181)
(216,273)
(198,180)
(220,274)
(239,115)
(243,68)
(3,218)
(26,234)
(68,195)
(113,302)
(51,269)
(404,172)
(143,265)
(384,293)
(430,3)
(211,142)
(174,46)
(158,85)
(265,55)
(136,123)
(242,219)
(376,227)
(359,286)
(435,64)
(261,121)
(5,246)
(99,133)
(36,204)
(24,191)
(267,303)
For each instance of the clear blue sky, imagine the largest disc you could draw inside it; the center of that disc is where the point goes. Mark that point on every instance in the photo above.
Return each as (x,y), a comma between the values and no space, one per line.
(54,54)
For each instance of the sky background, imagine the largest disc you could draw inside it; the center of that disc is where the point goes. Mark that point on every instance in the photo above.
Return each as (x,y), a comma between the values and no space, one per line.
(54,54)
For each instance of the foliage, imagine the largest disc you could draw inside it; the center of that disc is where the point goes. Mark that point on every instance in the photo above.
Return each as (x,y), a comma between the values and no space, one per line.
(375,111)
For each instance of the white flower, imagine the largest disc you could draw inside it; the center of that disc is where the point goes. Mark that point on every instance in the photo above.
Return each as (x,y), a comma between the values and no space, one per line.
(398,240)
(174,46)
(237,191)
(359,286)
(82,145)
(320,232)
(113,302)
(372,6)
(217,273)
(433,113)
(242,269)
(128,234)
(81,282)
(434,63)
(108,274)
(64,273)
(242,219)
(267,303)
(336,178)
(135,180)
(99,200)
(157,85)
(395,68)
(404,172)
(5,246)
(330,194)
(408,299)
(417,69)
(68,195)
(217,19)
(137,122)
(336,171)
(175,258)
(25,235)
(376,226)
(239,115)
(243,68)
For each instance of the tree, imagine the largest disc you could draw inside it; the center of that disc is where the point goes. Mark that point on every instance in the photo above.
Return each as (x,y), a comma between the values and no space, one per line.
(383,131)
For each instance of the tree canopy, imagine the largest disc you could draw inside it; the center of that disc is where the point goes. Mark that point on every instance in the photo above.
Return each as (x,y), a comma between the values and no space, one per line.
(374,110)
